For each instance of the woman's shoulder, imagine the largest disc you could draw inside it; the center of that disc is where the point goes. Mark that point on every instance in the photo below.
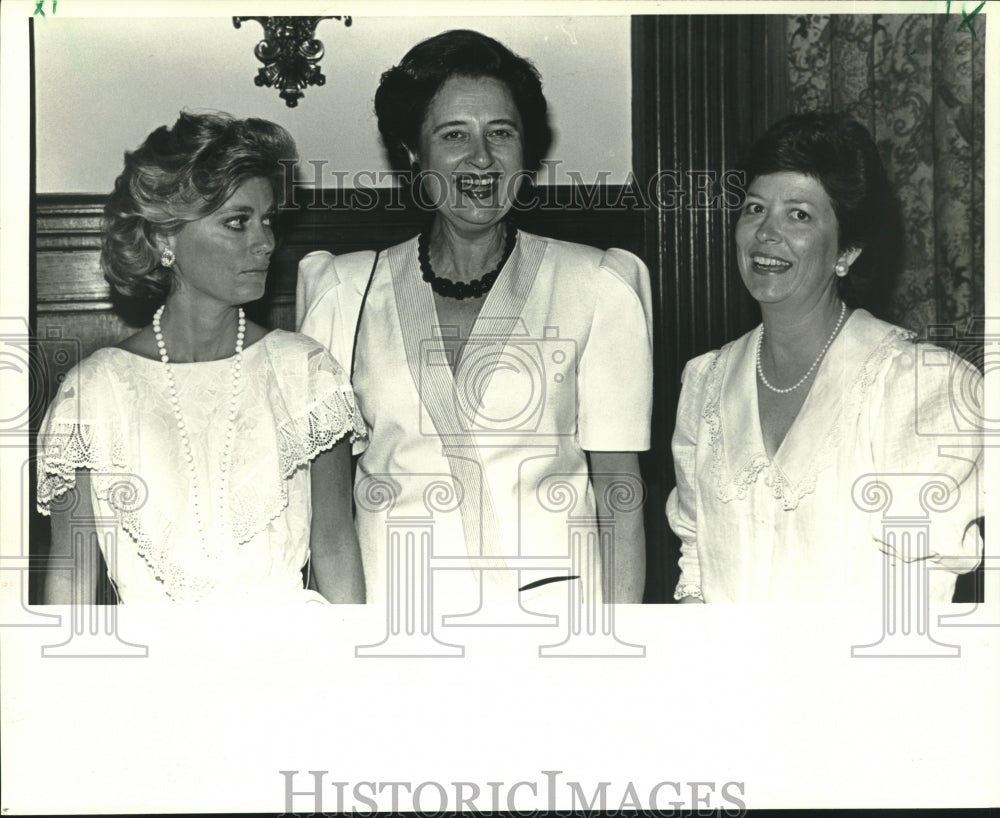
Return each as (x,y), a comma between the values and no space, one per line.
(111,363)
(290,344)
(873,332)
(321,270)
(614,258)
(611,264)
(698,368)
(293,353)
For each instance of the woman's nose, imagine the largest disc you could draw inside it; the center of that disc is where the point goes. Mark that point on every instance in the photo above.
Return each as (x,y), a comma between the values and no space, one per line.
(480,154)
(263,239)
(767,230)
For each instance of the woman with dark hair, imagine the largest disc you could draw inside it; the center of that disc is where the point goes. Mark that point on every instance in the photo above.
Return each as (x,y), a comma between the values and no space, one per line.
(201,435)
(778,432)
(505,377)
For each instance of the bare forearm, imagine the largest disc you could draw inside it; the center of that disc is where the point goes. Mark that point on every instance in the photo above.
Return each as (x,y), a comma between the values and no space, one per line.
(618,492)
(74,557)
(337,571)
(624,558)
(336,556)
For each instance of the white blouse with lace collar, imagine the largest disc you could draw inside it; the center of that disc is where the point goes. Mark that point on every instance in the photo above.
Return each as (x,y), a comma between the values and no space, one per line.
(789,528)
(112,416)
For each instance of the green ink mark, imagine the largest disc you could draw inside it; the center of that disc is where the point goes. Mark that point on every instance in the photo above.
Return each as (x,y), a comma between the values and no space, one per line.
(40,7)
(967,18)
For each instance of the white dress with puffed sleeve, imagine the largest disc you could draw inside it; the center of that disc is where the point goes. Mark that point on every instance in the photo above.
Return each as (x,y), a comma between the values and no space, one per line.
(487,465)
(877,443)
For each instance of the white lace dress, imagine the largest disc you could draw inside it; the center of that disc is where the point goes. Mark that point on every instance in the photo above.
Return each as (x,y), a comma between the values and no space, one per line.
(795,527)
(112,416)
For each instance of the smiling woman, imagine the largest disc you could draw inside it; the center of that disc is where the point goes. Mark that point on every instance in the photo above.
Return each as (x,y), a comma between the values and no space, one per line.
(202,435)
(776,430)
(506,377)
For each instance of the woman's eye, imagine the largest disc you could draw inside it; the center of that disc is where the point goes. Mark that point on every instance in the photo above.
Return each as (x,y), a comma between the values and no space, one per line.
(453,136)
(752,208)
(236,223)
(267,219)
(502,133)
(800,215)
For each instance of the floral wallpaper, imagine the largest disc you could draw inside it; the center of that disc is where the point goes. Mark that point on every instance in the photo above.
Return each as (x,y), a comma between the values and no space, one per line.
(917,82)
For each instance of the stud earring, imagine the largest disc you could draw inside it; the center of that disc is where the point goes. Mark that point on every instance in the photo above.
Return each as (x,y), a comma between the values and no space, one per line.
(841,269)
(167,257)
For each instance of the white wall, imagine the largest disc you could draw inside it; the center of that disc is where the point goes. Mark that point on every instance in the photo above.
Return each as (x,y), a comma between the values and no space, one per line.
(103,84)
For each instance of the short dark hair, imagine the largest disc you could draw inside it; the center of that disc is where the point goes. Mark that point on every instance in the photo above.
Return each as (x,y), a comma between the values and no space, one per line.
(406,90)
(179,175)
(839,152)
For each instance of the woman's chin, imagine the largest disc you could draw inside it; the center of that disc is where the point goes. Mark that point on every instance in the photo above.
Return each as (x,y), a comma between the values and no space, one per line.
(477,216)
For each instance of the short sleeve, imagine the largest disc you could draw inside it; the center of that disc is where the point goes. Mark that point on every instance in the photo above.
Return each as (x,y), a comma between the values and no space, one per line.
(81,430)
(927,439)
(317,305)
(616,368)
(328,298)
(320,408)
(682,502)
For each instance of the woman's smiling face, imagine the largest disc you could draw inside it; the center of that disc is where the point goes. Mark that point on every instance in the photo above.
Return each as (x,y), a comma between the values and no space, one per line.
(787,240)
(471,151)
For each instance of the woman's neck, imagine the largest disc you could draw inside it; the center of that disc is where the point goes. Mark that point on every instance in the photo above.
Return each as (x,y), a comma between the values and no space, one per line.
(206,332)
(463,256)
(794,335)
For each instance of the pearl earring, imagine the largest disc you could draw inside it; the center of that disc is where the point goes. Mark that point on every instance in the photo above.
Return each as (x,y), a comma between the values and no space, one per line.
(841,269)
(167,257)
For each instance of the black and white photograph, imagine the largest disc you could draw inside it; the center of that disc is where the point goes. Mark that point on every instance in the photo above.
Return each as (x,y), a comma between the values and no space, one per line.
(498,407)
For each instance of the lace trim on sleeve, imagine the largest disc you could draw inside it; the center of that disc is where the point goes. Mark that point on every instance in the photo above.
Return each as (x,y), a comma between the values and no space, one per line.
(688,590)
(68,446)
(303,437)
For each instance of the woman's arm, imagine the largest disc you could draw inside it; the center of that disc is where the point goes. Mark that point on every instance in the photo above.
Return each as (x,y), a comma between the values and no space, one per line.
(72,571)
(682,504)
(624,564)
(336,555)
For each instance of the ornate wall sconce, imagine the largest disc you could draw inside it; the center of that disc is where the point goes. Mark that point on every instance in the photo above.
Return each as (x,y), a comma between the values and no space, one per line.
(290,53)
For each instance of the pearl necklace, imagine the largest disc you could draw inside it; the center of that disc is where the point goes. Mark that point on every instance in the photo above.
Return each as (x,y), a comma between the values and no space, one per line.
(236,372)
(822,352)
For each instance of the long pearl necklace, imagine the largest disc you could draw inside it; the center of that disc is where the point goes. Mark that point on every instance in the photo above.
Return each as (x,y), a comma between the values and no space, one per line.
(236,372)
(822,352)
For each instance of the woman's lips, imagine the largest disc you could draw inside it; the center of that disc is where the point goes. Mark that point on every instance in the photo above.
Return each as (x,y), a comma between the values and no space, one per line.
(768,265)
(478,187)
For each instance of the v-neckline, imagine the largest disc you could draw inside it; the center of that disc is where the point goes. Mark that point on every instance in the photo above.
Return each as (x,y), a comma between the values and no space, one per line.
(503,295)
(461,341)
(810,399)
(426,355)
